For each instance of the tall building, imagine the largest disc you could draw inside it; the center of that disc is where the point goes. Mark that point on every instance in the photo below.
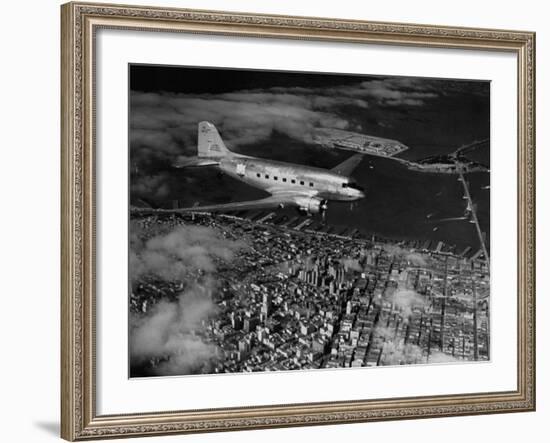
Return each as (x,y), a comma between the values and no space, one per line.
(267,304)
(244,349)
(236,321)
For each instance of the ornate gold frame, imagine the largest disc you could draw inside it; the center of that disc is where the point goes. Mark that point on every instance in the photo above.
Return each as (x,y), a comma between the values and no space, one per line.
(79,420)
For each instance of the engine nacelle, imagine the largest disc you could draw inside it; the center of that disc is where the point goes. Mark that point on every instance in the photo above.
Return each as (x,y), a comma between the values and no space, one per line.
(311,205)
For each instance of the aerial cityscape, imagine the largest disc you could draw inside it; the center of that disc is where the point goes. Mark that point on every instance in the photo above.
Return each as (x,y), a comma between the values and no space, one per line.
(282,250)
(294,297)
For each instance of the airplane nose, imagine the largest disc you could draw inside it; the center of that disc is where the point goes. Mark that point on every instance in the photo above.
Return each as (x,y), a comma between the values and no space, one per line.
(361,194)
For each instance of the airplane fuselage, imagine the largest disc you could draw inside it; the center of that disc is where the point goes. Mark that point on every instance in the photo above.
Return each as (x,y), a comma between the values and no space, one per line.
(271,175)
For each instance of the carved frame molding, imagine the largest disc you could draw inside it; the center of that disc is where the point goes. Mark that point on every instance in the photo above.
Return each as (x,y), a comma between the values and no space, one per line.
(79,24)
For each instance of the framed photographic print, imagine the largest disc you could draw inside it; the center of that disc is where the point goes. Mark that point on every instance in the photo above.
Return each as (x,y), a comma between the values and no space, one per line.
(281,221)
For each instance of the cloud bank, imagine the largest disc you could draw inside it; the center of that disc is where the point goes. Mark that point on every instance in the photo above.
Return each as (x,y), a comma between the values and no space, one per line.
(413,258)
(174,255)
(396,352)
(168,334)
(168,338)
(164,124)
(406,300)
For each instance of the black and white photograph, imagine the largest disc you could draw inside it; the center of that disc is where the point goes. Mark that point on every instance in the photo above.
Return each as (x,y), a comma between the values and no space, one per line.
(304,221)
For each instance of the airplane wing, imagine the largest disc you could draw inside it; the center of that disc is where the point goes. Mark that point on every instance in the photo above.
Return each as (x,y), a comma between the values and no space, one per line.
(269,202)
(279,199)
(347,166)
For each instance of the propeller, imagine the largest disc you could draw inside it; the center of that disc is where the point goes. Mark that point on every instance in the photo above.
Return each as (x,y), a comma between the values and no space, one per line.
(323,209)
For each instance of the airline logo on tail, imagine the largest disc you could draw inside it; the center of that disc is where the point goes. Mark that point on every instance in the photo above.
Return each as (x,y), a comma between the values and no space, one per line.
(209,143)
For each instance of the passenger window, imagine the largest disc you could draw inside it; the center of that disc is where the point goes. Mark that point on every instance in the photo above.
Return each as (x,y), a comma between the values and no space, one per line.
(266,176)
(275,178)
(311,184)
(258,175)
(302,183)
(284,179)
(293,181)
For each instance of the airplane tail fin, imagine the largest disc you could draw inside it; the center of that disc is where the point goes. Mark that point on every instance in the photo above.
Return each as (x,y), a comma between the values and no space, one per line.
(210,144)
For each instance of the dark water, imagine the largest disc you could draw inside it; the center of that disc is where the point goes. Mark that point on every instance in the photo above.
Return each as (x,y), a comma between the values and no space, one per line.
(399,200)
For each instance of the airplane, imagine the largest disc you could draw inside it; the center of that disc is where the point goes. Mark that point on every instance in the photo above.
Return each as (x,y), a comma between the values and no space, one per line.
(307,188)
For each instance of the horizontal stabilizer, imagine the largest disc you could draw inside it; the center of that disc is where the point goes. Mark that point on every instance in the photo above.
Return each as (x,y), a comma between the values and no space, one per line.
(194,162)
